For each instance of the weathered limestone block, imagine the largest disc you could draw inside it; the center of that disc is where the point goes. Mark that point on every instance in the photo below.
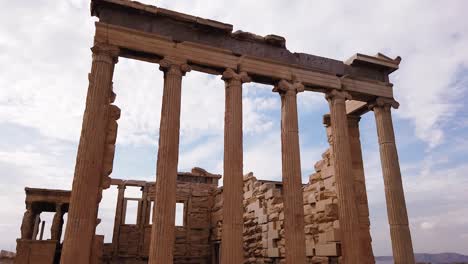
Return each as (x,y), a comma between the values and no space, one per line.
(199,220)
(200,204)
(320,205)
(320,260)
(330,249)
(332,235)
(310,247)
(273,252)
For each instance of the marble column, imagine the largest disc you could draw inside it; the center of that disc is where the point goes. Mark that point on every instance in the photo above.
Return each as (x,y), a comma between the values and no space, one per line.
(37,222)
(291,169)
(233,208)
(57,223)
(143,219)
(118,218)
(41,234)
(27,225)
(347,210)
(163,228)
(396,206)
(82,216)
(360,189)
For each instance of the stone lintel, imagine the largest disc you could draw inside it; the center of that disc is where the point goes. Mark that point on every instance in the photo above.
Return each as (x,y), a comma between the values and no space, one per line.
(192,176)
(214,60)
(184,28)
(353,108)
(42,191)
(134,183)
(157,11)
(356,108)
(45,200)
(377,61)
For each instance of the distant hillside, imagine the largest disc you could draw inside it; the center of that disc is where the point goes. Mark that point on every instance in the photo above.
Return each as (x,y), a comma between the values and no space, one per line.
(441,258)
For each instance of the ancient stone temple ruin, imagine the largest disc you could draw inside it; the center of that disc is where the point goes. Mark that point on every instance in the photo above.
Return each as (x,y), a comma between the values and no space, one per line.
(247,220)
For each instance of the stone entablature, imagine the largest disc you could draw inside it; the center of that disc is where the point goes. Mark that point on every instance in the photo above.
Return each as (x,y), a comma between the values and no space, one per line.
(186,28)
(149,33)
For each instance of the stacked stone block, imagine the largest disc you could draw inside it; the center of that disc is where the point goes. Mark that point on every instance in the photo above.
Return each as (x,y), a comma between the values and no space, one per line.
(264,240)
(321,213)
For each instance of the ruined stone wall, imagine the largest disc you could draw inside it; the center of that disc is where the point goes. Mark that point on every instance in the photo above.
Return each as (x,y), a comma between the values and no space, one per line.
(263,217)
(192,239)
(192,243)
(321,213)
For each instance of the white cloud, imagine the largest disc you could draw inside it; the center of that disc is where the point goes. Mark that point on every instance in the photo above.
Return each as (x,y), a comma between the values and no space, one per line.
(427,225)
(207,154)
(264,157)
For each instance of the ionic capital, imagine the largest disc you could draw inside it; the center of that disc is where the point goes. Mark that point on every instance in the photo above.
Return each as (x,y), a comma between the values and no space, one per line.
(287,87)
(58,207)
(230,75)
(105,53)
(384,102)
(335,94)
(174,66)
(353,120)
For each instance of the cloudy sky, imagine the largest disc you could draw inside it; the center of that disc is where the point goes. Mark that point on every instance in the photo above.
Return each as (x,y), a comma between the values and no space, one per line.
(45,58)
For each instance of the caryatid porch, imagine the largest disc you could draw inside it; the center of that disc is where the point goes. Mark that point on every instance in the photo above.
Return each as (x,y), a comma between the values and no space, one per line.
(33,244)
(180,43)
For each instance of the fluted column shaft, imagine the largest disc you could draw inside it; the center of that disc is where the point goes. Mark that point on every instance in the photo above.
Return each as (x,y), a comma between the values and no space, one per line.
(57,222)
(162,233)
(85,194)
(291,169)
(396,206)
(37,222)
(360,189)
(233,209)
(347,210)
(144,216)
(118,218)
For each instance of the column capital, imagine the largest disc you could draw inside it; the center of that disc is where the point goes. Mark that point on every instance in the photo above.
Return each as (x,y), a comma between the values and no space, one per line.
(231,75)
(105,53)
(335,94)
(288,87)
(58,207)
(353,120)
(121,186)
(174,66)
(384,102)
